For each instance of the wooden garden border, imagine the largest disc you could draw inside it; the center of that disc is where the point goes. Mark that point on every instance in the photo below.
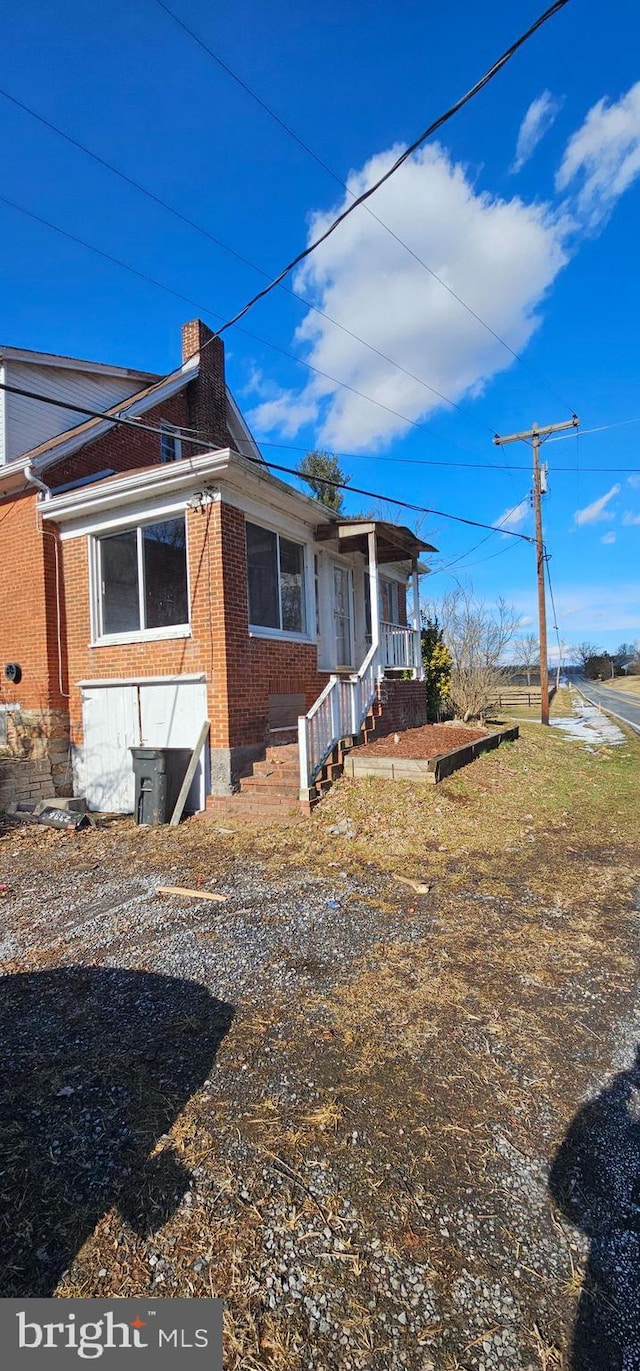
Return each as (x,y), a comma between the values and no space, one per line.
(432,769)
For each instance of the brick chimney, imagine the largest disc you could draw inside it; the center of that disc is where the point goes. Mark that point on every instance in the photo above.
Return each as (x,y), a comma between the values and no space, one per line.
(207,394)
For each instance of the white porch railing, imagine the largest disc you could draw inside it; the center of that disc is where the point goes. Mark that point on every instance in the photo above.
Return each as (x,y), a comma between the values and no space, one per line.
(339,712)
(399,647)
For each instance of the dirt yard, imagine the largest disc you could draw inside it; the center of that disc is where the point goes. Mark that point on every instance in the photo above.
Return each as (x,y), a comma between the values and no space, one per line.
(334,1098)
(431,740)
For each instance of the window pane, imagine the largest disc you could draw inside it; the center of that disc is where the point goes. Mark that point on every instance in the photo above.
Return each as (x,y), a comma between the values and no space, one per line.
(168,445)
(389,594)
(292,585)
(119,570)
(262,572)
(367,605)
(164,550)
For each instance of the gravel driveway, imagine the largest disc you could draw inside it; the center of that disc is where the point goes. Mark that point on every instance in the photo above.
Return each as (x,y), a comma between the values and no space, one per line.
(330,1099)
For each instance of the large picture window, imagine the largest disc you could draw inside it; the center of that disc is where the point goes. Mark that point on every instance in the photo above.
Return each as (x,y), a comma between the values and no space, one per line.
(275,568)
(142,579)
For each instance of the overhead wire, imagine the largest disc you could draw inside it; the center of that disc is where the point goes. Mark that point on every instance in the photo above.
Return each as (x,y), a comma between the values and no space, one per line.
(266,342)
(547,558)
(120,420)
(179,295)
(432,128)
(335,176)
(495,528)
(226,247)
(278,280)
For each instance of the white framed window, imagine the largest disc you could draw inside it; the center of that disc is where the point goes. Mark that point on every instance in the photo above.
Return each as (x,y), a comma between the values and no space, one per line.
(142,581)
(170,443)
(276,581)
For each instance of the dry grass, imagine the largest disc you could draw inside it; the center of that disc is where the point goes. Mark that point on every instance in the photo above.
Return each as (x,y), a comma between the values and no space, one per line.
(560,707)
(482,1012)
(627,685)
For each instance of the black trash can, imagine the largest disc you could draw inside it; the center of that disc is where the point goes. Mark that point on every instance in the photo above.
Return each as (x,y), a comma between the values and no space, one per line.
(159,773)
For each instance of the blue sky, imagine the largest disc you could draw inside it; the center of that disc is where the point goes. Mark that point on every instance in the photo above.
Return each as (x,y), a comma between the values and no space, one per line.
(527,206)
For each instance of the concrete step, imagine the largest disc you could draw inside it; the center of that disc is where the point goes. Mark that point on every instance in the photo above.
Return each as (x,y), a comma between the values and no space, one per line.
(268,797)
(281,753)
(245,807)
(332,770)
(262,788)
(282,737)
(281,770)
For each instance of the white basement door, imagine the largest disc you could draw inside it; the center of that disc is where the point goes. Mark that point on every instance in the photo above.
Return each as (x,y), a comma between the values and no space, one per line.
(149,714)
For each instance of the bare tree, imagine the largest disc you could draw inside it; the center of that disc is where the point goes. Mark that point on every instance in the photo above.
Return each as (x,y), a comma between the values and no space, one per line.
(527,651)
(583,653)
(477,638)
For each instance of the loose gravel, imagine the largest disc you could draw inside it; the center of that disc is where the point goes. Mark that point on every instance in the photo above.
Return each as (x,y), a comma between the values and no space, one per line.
(329,1099)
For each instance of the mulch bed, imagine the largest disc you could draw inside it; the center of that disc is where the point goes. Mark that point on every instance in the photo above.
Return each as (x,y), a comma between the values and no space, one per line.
(429,741)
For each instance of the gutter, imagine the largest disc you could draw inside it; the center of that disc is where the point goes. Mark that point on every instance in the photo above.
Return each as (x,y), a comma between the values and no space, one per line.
(29,475)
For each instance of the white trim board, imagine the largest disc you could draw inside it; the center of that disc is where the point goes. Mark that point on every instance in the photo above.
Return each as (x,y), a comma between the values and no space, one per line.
(139,680)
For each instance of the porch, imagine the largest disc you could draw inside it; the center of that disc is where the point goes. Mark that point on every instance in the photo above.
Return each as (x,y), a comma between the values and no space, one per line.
(391,647)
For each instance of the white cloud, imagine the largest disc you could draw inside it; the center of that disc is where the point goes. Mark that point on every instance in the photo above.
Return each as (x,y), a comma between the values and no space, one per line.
(597,511)
(630,519)
(501,256)
(634,481)
(515,517)
(277,409)
(608,538)
(537,121)
(605,153)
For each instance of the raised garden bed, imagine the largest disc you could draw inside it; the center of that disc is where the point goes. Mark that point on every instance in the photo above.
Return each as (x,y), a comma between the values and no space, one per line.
(426,754)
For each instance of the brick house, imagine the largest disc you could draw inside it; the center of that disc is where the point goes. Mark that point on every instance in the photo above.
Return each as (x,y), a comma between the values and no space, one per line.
(152,582)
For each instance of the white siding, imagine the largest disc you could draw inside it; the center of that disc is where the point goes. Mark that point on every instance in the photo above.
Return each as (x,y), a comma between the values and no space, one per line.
(28,422)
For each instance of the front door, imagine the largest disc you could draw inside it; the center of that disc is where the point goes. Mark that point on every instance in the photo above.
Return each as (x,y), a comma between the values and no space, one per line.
(342,615)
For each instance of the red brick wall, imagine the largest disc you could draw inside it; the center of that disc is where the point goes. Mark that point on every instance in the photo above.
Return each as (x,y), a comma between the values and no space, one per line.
(208,397)
(256,667)
(123,449)
(28,632)
(241,672)
(404,705)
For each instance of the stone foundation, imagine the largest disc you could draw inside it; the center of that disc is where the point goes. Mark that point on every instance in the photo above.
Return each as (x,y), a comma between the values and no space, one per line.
(24,781)
(39,735)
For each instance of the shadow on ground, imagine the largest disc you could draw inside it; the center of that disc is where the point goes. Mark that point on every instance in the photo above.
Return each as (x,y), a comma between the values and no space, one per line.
(595,1181)
(97,1063)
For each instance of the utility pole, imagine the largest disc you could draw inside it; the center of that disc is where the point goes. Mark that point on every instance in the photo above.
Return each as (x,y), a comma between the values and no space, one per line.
(533,436)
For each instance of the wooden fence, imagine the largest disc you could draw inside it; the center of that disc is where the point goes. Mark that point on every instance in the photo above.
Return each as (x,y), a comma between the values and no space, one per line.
(508,696)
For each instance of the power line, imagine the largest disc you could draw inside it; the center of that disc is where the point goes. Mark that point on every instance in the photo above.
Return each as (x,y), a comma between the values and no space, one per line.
(602,428)
(555,616)
(494,529)
(179,295)
(277,281)
(219,242)
(121,421)
(14,503)
(399,162)
(215,57)
(266,342)
(419,462)
(299,361)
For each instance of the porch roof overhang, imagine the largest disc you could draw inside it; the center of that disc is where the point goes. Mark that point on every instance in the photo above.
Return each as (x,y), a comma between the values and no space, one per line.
(394,542)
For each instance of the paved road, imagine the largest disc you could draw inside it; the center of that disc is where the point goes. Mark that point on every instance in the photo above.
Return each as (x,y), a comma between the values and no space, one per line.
(626,707)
